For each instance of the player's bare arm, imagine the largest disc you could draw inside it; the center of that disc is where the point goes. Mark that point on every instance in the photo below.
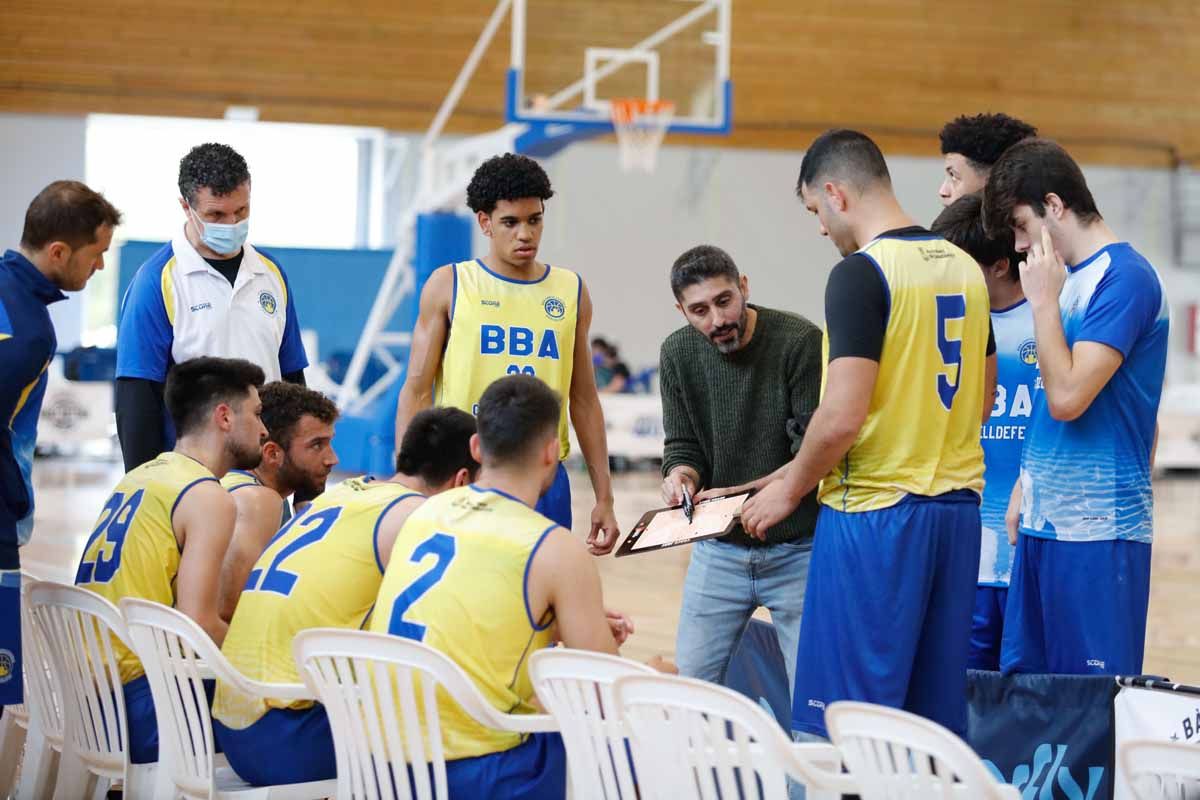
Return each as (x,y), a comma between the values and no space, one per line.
(390,525)
(428,343)
(563,580)
(991,369)
(257,520)
(588,419)
(834,427)
(1072,377)
(203,524)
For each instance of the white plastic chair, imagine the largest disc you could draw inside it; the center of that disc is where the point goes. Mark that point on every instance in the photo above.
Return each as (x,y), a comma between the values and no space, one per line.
(894,755)
(15,722)
(694,739)
(1161,770)
(360,677)
(178,655)
(79,627)
(44,728)
(575,686)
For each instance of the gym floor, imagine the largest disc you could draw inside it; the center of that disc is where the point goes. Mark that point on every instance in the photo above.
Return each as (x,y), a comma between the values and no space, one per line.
(70,492)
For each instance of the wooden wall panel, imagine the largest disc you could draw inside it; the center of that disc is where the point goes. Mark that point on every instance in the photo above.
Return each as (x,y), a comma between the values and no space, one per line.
(1117,80)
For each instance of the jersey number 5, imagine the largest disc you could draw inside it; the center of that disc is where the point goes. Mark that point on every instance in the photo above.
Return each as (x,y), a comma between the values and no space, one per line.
(441,546)
(114,524)
(950,307)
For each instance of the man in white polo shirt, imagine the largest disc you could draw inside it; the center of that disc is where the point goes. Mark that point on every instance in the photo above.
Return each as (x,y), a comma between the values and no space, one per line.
(205,293)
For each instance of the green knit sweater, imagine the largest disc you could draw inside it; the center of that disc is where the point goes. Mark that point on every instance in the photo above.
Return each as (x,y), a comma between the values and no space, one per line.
(734,418)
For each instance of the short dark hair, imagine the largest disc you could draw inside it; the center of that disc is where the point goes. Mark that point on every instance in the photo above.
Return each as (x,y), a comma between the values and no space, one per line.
(285,403)
(195,386)
(983,138)
(515,414)
(218,167)
(437,444)
(847,155)
(961,223)
(1025,174)
(699,264)
(507,177)
(69,212)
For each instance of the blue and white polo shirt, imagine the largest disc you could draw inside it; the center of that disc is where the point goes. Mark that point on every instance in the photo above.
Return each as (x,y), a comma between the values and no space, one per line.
(180,307)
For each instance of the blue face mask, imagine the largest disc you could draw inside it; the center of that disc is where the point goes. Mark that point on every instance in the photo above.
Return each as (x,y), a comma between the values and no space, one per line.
(222,238)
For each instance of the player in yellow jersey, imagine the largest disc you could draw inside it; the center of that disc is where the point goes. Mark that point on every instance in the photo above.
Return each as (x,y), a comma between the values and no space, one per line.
(480,575)
(506,314)
(895,444)
(297,458)
(164,530)
(324,570)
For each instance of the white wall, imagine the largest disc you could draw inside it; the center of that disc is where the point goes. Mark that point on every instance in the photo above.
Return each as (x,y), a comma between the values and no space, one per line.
(38,149)
(623,231)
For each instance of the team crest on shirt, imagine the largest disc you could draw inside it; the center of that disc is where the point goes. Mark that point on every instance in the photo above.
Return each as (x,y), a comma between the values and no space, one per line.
(7,663)
(1028,352)
(267,301)
(555,309)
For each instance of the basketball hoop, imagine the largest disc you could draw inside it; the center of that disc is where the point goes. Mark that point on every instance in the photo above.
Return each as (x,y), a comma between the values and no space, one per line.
(640,125)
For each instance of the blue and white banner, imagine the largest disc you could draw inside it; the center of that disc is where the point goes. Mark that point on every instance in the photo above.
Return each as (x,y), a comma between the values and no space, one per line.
(1051,736)
(1155,710)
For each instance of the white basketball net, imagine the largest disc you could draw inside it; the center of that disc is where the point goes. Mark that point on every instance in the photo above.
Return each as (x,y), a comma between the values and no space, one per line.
(640,126)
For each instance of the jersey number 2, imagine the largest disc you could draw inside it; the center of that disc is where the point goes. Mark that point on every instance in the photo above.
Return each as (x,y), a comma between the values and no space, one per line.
(441,546)
(114,524)
(949,306)
(275,579)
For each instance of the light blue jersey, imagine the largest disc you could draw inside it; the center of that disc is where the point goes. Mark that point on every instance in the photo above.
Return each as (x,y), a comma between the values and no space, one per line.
(1089,479)
(1004,435)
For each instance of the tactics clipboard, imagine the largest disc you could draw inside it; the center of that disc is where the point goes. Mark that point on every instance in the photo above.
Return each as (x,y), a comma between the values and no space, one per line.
(668,527)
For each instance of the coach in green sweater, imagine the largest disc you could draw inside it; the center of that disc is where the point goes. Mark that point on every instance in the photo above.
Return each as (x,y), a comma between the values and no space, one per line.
(739,384)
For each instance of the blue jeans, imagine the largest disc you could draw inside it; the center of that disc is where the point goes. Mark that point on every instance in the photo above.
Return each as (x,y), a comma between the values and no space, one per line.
(725,584)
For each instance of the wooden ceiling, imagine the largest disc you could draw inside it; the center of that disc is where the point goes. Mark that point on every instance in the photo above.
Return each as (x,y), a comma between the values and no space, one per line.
(1118,81)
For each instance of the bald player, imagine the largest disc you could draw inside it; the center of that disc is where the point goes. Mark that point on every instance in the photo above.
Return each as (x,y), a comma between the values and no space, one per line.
(895,447)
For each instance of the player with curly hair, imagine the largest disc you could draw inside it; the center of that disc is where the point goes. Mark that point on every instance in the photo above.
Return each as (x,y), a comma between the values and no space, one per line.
(971,145)
(509,313)
(297,459)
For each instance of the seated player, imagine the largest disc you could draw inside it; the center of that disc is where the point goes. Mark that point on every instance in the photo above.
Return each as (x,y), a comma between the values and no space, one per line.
(163,532)
(323,570)
(503,581)
(297,458)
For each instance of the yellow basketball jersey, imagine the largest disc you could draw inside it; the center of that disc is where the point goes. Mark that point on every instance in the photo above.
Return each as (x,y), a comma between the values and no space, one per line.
(921,435)
(456,581)
(239,478)
(499,326)
(133,551)
(322,570)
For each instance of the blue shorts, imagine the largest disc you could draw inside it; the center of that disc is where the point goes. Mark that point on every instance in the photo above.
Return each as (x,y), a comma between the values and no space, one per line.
(533,770)
(1077,608)
(285,745)
(887,616)
(296,745)
(556,502)
(987,627)
(11,690)
(140,720)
